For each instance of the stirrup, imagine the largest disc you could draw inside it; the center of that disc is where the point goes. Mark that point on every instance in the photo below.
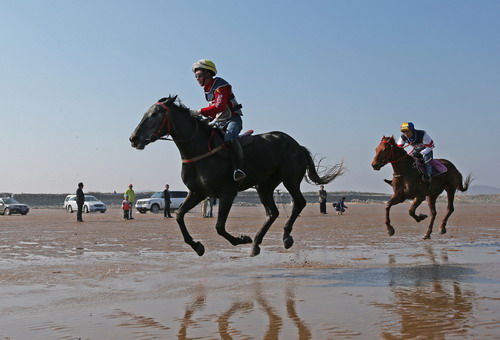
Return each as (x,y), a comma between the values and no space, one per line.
(238,175)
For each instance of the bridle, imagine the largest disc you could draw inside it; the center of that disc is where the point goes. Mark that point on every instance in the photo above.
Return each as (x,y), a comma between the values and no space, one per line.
(391,153)
(157,134)
(166,121)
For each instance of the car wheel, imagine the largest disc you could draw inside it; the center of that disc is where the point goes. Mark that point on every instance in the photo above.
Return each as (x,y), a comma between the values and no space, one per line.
(6,212)
(24,213)
(70,209)
(103,211)
(155,208)
(142,211)
(86,209)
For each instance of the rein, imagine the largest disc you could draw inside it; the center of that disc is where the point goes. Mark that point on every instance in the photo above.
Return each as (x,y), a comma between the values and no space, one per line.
(158,135)
(386,160)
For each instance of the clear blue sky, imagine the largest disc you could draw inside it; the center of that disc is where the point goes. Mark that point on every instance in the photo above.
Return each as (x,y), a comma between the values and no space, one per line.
(77,76)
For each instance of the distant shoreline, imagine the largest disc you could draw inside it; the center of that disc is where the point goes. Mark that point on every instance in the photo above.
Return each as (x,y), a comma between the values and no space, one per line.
(244,198)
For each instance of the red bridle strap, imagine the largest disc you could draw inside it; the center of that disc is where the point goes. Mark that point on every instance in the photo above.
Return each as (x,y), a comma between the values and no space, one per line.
(165,120)
(392,152)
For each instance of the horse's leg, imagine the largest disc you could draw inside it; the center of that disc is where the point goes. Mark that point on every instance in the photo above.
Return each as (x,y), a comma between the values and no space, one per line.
(265,192)
(225,203)
(299,202)
(393,201)
(431,201)
(416,202)
(189,203)
(450,209)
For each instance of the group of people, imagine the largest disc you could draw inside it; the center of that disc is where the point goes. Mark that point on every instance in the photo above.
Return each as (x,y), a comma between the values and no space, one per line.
(207,206)
(339,206)
(129,198)
(127,203)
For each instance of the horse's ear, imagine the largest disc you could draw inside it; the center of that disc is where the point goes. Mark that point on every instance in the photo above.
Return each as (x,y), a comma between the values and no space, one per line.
(171,100)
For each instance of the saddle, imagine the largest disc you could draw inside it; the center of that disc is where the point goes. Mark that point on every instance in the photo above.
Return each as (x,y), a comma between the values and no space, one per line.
(437,167)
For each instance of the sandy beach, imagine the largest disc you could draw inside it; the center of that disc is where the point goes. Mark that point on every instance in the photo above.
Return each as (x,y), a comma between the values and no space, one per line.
(344,278)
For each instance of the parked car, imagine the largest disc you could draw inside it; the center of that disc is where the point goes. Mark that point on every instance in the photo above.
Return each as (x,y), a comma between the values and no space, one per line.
(157,202)
(91,204)
(8,206)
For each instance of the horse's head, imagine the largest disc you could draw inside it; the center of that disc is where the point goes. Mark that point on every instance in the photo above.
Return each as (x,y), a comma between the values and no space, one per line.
(154,124)
(385,152)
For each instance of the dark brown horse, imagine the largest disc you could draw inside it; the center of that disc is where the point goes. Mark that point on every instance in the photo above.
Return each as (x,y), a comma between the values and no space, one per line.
(270,159)
(407,183)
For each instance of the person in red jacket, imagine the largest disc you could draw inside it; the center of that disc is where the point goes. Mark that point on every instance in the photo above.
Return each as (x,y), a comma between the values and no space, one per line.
(223,110)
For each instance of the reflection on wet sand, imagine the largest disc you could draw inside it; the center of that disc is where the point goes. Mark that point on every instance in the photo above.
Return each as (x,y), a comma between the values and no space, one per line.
(431,303)
(228,329)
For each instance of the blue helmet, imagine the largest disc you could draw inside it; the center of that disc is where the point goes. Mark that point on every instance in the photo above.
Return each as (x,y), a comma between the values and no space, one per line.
(407,126)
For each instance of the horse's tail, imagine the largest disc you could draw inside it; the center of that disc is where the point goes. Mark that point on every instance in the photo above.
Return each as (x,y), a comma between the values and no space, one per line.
(329,173)
(465,186)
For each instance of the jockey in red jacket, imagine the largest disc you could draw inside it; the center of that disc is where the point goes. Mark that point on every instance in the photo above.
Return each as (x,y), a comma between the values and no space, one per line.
(223,111)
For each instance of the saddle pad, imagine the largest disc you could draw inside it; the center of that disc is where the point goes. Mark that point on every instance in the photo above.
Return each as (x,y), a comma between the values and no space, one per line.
(438,167)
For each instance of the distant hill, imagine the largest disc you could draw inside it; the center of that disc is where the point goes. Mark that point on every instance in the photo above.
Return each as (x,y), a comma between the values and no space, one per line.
(483,190)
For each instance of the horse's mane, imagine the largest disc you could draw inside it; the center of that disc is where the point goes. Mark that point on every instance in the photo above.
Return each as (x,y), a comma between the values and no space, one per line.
(391,140)
(175,101)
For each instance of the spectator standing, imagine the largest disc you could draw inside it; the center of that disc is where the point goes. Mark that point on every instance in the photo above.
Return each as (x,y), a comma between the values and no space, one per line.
(166,197)
(322,199)
(204,206)
(211,202)
(80,200)
(131,198)
(126,206)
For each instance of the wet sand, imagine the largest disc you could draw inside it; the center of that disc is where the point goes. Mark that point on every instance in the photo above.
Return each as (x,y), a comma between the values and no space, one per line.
(344,278)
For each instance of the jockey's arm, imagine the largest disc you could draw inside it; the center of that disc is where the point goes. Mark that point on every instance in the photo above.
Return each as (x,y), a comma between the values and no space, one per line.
(428,143)
(220,103)
(400,142)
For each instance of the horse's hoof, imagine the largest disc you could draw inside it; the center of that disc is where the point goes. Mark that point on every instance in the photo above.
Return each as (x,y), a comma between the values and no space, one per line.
(255,251)
(245,239)
(390,231)
(288,242)
(443,231)
(200,249)
(422,217)
(427,237)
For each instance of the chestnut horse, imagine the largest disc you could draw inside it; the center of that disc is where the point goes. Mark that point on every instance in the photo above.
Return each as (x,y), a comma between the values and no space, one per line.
(407,183)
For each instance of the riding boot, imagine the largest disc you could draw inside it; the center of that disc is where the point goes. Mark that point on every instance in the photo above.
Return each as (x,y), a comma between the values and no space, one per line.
(236,155)
(428,170)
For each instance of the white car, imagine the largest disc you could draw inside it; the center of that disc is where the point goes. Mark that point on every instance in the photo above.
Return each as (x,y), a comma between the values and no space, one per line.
(91,204)
(156,202)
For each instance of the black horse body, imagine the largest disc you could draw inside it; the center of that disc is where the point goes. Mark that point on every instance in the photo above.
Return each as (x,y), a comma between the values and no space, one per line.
(269,159)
